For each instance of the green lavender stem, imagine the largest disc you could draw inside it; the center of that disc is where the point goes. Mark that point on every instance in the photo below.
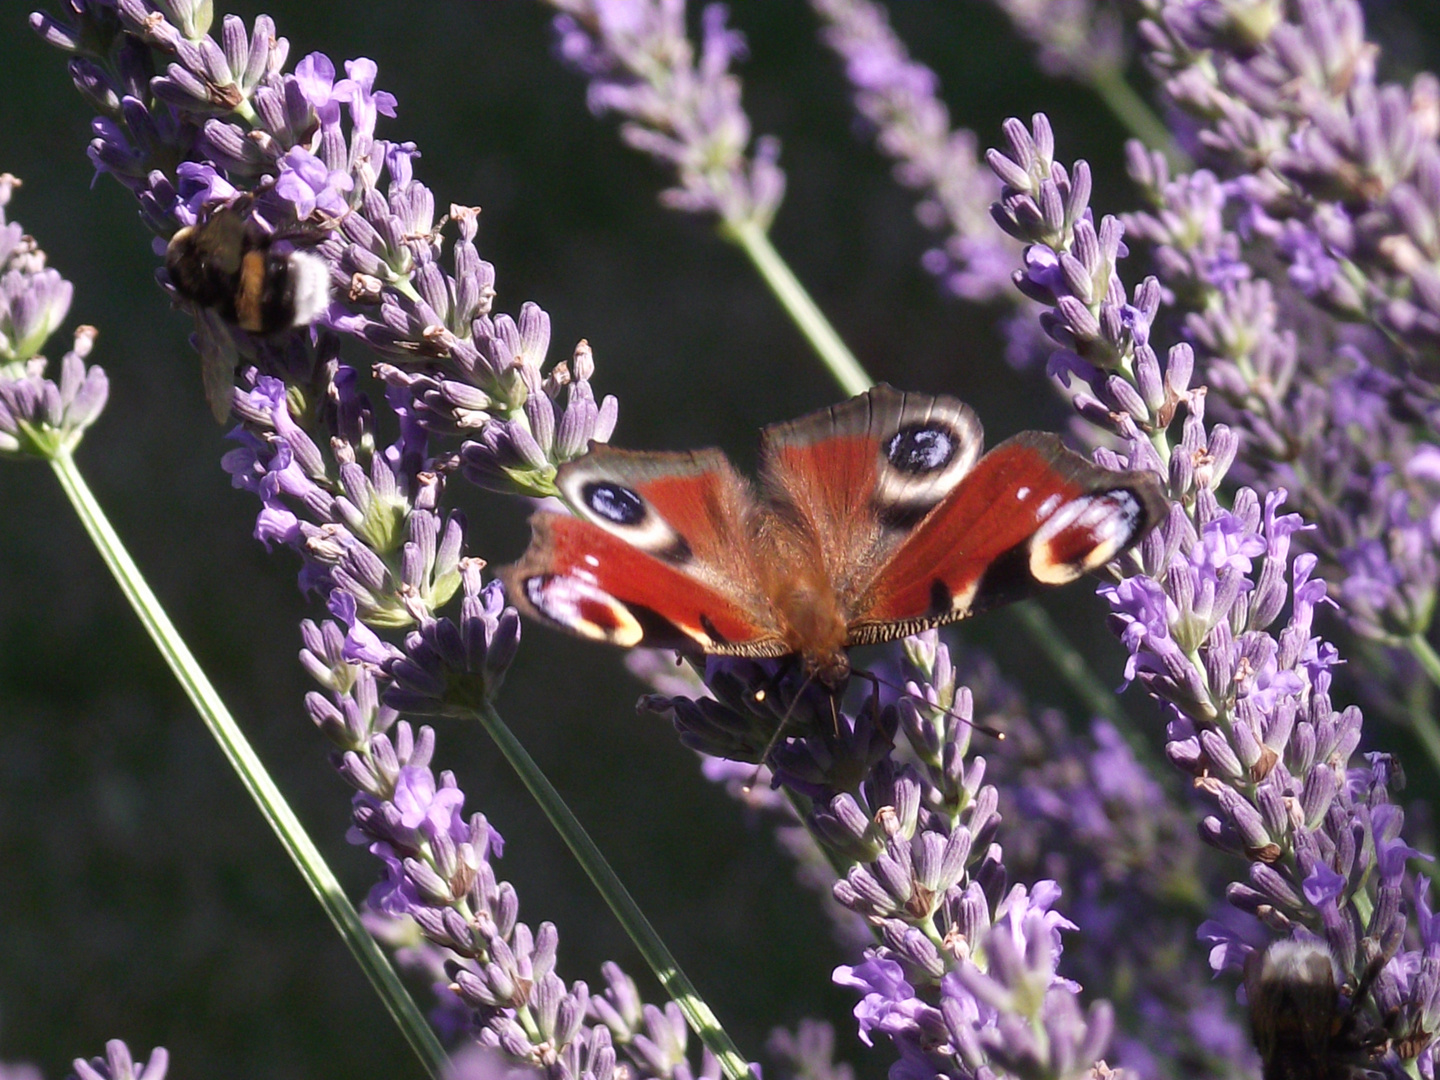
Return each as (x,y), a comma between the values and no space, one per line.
(1422,723)
(1137,116)
(833,352)
(675,982)
(248,767)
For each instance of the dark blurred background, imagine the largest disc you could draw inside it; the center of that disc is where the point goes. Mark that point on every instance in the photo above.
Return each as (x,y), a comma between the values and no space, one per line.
(141,896)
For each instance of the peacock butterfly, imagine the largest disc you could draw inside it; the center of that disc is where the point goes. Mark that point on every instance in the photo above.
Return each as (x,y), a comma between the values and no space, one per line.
(877,518)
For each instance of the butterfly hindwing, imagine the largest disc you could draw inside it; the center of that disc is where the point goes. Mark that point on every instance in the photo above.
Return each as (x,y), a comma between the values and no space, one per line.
(658,555)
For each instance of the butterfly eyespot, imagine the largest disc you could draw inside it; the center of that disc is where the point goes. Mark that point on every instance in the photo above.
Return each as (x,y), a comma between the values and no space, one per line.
(919,449)
(582,607)
(614,502)
(928,454)
(1083,534)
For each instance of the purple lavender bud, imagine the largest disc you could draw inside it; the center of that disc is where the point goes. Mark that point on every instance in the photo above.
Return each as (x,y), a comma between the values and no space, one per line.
(34,300)
(684,112)
(849,830)
(660,1049)
(452,669)
(39,417)
(118,1064)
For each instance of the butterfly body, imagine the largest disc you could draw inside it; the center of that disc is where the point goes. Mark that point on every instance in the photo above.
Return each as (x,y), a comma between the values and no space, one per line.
(875,519)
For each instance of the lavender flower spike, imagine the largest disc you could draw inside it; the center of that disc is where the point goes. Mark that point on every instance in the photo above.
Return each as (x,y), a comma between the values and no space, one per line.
(961,967)
(899,98)
(450,669)
(681,111)
(39,417)
(117,1064)
(1077,39)
(34,300)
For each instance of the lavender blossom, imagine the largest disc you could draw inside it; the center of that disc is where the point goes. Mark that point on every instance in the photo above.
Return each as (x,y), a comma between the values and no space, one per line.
(34,299)
(1250,713)
(39,417)
(301,147)
(117,1064)
(1129,933)
(965,971)
(450,669)
(1320,415)
(368,518)
(1331,426)
(682,110)
(1342,171)
(1082,810)
(899,99)
(500,988)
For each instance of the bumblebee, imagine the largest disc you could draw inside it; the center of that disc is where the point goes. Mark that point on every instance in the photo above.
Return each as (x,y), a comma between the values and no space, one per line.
(1304,1024)
(252,280)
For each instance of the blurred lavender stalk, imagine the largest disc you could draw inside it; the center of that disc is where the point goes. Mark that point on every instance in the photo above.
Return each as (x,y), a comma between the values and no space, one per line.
(687,115)
(682,110)
(1085,40)
(899,98)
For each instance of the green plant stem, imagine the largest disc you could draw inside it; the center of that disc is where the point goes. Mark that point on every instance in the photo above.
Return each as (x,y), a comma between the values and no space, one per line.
(1422,723)
(252,773)
(675,982)
(1137,117)
(786,286)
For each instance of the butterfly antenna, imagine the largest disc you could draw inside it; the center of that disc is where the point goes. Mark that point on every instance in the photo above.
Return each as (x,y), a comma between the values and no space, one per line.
(779,729)
(984,729)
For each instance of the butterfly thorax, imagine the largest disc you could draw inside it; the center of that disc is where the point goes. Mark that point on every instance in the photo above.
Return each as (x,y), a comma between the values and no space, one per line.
(812,618)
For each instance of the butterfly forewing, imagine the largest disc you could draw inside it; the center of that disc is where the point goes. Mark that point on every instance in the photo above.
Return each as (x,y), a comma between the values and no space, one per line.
(856,476)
